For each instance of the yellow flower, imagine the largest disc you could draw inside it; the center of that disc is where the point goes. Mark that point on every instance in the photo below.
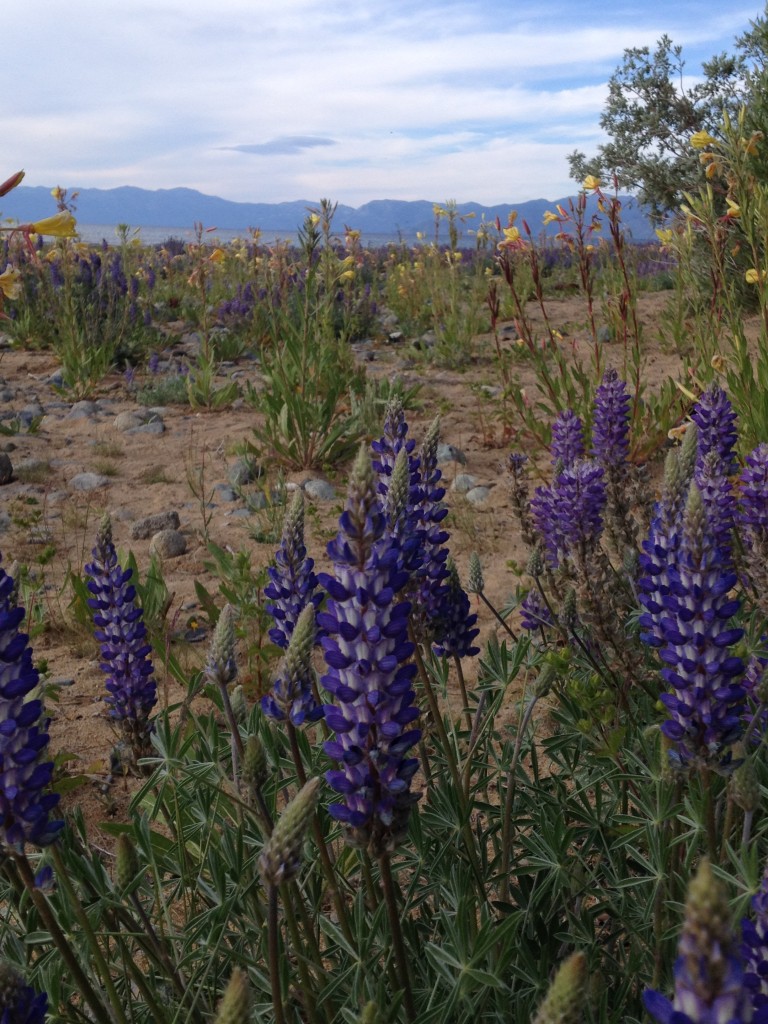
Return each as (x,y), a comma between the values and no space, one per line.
(753,276)
(734,210)
(10,283)
(717,363)
(591,183)
(665,235)
(218,256)
(677,433)
(550,218)
(751,144)
(347,275)
(702,139)
(61,225)
(511,234)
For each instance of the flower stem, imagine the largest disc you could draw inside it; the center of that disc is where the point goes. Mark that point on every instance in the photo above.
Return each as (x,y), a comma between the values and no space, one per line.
(390,898)
(274,956)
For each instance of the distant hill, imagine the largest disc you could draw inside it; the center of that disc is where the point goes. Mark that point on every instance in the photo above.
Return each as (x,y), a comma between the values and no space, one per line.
(182,207)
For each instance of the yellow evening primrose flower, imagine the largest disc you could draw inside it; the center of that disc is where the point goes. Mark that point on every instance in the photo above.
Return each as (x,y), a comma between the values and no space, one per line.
(511,234)
(753,276)
(60,225)
(665,235)
(347,275)
(590,183)
(10,283)
(734,210)
(717,362)
(218,256)
(702,139)
(550,218)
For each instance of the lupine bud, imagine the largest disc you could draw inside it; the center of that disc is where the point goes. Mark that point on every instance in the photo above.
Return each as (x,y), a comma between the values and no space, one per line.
(475,581)
(280,859)
(235,1005)
(746,787)
(565,1000)
(239,704)
(255,765)
(709,977)
(370,1014)
(221,668)
(19,1003)
(535,566)
(292,581)
(126,862)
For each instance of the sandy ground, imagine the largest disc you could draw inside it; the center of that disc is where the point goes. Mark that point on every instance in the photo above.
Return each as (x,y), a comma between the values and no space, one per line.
(149,474)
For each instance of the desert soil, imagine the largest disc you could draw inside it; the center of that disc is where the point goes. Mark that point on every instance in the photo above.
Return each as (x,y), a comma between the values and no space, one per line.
(46,513)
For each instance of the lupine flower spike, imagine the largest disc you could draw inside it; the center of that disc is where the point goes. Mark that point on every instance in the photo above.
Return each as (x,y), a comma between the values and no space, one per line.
(567,445)
(280,859)
(292,693)
(709,978)
(370,673)
(292,581)
(25,806)
(565,1000)
(120,629)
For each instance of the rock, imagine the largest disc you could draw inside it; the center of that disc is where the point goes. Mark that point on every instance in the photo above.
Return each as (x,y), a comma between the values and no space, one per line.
(150,525)
(83,411)
(427,341)
(5,521)
(604,335)
(7,394)
(319,489)
(88,482)
(244,471)
(153,427)
(463,482)
(6,469)
(225,492)
(448,453)
(129,420)
(395,337)
(56,380)
(478,495)
(168,544)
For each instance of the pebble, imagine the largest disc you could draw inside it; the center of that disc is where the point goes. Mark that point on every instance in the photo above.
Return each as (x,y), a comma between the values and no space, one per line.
(129,420)
(449,453)
(244,471)
(154,427)
(463,483)
(149,525)
(168,544)
(6,469)
(478,495)
(88,482)
(225,492)
(83,410)
(319,489)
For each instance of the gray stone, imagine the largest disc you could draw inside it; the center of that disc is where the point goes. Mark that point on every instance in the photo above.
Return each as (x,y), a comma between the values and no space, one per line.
(154,427)
(129,420)
(5,521)
(604,335)
(320,489)
(427,341)
(88,482)
(239,513)
(463,482)
(478,495)
(150,525)
(56,380)
(225,492)
(84,410)
(448,453)
(255,501)
(6,469)
(7,394)
(168,544)
(244,471)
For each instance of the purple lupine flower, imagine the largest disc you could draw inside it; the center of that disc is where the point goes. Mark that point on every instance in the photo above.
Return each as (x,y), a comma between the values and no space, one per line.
(457,627)
(753,494)
(715,488)
(659,556)
(370,673)
(706,703)
(20,1003)
(610,427)
(569,514)
(709,976)
(125,652)
(754,949)
(293,583)
(25,807)
(534,613)
(428,516)
(716,422)
(400,496)
(292,695)
(567,445)
(153,363)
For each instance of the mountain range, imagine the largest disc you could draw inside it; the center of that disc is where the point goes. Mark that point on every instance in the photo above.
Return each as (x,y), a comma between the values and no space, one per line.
(182,207)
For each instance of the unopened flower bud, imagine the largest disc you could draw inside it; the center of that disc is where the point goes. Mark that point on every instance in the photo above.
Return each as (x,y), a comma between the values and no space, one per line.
(235,1004)
(220,668)
(475,581)
(238,704)
(11,183)
(281,857)
(745,786)
(535,565)
(564,1001)
(126,862)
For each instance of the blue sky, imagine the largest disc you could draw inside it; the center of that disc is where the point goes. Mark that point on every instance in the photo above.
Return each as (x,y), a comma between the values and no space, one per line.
(274,100)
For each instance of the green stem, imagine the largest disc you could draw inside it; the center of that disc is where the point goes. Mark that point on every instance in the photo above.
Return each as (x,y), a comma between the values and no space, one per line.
(100,1011)
(390,898)
(509,798)
(93,942)
(274,956)
(463,688)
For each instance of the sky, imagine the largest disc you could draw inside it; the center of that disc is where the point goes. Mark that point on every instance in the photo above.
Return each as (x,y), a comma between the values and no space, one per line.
(280,100)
